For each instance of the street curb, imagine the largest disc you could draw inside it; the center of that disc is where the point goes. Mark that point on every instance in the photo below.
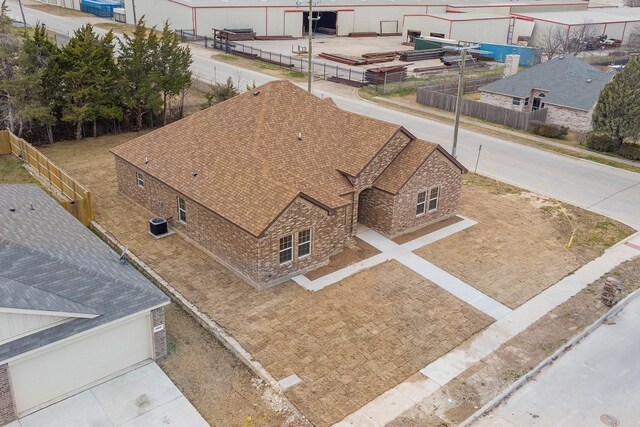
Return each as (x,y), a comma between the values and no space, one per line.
(496,401)
(227,340)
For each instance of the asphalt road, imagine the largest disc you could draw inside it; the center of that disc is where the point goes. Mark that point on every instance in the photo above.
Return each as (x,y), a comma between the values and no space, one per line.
(598,381)
(602,189)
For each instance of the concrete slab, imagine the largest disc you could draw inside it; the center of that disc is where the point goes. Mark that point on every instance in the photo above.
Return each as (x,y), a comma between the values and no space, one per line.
(81,410)
(177,413)
(135,393)
(290,381)
(144,397)
(417,387)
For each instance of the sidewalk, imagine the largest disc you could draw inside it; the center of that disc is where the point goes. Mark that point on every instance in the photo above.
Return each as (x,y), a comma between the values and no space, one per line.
(413,391)
(506,132)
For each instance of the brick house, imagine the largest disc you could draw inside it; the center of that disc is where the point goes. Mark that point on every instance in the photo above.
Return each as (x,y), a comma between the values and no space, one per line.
(566,86)
(274,181)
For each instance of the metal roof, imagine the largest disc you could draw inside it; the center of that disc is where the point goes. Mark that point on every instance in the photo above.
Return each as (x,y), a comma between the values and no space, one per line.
(579,17)
(570,82)
(51,262)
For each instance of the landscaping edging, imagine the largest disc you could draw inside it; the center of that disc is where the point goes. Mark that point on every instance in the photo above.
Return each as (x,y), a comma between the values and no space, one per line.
(506,393)
(227,340)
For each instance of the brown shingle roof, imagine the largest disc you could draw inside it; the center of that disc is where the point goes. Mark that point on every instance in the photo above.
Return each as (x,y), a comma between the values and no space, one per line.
(396,175)
(249,161)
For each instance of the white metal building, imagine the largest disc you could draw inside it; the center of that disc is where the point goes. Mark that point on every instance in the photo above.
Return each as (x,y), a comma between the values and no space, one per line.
(472,27)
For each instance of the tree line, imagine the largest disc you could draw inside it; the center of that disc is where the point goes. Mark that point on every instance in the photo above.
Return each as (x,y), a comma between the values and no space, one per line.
(92,85)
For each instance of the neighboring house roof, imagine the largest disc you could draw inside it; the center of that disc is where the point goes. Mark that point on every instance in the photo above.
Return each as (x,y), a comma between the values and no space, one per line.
(243,158)
(566,79)
(52,263)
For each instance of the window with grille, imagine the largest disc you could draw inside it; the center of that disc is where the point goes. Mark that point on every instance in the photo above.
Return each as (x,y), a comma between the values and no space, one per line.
(434,197)
(304,243)
(286,249)
(182,210)
(140,179)
(422,201)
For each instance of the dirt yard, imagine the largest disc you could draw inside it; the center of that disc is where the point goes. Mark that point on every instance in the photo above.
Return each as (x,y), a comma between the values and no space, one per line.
(480,383)
(519,246)
(358,251)
(349,342)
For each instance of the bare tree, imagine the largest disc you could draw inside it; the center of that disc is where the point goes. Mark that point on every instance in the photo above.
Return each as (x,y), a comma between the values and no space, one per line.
(632,3)
(552,41)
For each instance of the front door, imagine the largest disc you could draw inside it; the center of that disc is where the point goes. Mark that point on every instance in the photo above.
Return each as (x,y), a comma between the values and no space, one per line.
(537,104)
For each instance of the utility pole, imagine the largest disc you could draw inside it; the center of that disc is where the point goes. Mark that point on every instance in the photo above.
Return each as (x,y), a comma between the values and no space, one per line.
(310,45)
(24,21)
(133,8)
(456,124)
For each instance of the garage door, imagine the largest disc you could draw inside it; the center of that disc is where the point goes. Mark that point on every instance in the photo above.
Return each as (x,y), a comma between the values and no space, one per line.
(53,374)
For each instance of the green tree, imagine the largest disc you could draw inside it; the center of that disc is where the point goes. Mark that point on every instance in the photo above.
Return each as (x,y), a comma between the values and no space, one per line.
(86,78)
(617,113)
(137,63)
(10,45)
(219,92)
(173,68)
(34,99)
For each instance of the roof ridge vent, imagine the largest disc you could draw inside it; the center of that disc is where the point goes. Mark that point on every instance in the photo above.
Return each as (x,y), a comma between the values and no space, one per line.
(299,136)
(589,80)
(256,93)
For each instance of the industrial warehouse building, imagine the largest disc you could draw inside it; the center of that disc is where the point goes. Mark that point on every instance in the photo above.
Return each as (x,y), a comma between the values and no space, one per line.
(72,314)
(274,182)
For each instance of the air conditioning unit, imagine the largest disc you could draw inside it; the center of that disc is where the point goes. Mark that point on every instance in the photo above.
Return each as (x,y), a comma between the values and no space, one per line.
(158,226)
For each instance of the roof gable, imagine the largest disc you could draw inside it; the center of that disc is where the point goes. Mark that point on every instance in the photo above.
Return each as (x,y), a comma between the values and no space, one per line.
(569,81)
(249,157)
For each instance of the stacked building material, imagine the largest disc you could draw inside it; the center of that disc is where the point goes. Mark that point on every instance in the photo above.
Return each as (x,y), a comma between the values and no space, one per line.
(455,59)
(363,34)
(378,57)
(274,37)
(239,34)
(390,74)
(348,60)
(420,55)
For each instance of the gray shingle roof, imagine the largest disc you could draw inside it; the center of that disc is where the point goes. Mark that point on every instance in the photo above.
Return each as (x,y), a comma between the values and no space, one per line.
(51,262)
(566,79)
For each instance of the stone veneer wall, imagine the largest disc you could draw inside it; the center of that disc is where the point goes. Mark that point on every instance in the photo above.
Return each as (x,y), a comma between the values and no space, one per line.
(159,337)
(501,101)
(578,120)
(7,404)
(437,170)
(254,259)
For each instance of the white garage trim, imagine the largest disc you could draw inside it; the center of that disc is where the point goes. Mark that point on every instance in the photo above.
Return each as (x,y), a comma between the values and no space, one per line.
(51,375)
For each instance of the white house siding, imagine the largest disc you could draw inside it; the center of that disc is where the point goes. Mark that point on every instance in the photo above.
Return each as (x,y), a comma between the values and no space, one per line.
(15,324)
(53,373)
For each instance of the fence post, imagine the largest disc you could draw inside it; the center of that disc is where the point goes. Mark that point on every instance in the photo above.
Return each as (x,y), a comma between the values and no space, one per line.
(384,85)
(324,71)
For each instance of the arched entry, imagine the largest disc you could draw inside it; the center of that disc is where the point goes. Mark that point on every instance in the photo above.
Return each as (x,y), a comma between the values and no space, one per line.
(365,206)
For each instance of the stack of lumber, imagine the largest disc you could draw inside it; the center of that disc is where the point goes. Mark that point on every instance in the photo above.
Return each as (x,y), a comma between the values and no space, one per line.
(389,34)
(455,59)
(363,34)
(378,57)
(429,69)
(348,60)
(393,73)
(274,37)
(420,55)
(240,34)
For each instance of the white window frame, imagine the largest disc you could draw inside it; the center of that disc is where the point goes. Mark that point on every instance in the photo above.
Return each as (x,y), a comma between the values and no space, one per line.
(431,198)
(182,210)
(306,242)
(286,249)
(422,203)
(139,179)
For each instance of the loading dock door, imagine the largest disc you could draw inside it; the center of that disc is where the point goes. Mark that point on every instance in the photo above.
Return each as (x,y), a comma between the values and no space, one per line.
(345,22)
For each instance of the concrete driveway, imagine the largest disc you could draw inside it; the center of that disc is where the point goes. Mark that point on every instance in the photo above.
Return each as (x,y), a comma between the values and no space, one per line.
(144,397)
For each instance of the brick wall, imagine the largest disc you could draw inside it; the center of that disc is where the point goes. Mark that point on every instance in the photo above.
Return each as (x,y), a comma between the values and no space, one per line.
(436,171)
(159,337)
(255,260)
(500,101)
(327,238)
(373,170)
(7,404)
(376,210)
(579,120)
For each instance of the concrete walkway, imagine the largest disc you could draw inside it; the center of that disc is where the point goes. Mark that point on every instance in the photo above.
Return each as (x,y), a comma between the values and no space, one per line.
(144,397)
(419,387)
(403,254)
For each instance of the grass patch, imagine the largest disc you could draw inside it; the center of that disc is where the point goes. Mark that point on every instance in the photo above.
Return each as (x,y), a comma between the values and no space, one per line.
(12,171)
(225,57)
(57,10)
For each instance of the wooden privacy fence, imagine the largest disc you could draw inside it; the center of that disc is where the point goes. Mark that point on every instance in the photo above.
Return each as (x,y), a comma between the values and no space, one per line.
(481,110)
(72,195)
